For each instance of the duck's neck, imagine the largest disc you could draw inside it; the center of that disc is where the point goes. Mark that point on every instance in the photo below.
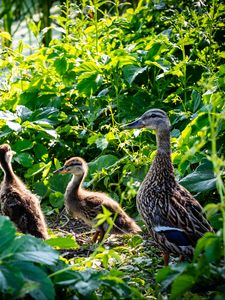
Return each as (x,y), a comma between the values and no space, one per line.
(163,141)
(9,175)
(162,168)
(74,187)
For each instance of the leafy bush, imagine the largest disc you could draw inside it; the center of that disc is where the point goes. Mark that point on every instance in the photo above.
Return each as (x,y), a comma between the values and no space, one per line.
(30,267)
(71,97)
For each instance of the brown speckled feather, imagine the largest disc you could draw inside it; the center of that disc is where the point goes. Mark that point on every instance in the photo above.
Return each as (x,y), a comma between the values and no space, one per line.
(86,205)
(168,209)
(17,202)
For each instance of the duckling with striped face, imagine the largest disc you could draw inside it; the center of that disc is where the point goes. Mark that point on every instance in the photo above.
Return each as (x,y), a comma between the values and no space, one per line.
(86,205)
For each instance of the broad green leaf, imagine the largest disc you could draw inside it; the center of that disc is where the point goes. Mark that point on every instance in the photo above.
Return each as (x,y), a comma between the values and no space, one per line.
(23,112)
(210,246)
(196,100)
(93,138)
(11,279)
(40,189)
(181,284)
(130,72)
(56,199)
(25,159)
(41,152)
(59,182)
(201,180)
(7,115)
(89,82)
(101,162)
(60,65)
(14,126)
(42,287)
(7,233)
(65,242)
(35,169)
(22,145)
(153,51)
(30,249)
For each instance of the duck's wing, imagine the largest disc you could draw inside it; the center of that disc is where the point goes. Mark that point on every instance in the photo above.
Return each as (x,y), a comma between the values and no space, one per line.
(194,209)
(185,213)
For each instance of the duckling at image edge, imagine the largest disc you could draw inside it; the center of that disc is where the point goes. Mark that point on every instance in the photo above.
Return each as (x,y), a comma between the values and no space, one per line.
(17,202)
(174,218)
(86,205)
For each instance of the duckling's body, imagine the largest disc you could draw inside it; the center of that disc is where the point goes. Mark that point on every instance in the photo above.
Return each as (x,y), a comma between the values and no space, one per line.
(172,215)
(17,202)
(86,205)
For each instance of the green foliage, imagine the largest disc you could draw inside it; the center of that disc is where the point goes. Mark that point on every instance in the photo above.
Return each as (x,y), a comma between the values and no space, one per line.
(69,99)
(23,263)
(206,271)
(30,267)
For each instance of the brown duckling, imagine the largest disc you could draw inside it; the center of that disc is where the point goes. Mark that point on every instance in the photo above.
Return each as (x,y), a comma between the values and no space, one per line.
(172,215)
(86,205)
(17,202)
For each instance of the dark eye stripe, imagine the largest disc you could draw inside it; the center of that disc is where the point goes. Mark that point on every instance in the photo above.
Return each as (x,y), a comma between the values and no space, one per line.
(155,116)
(74,164)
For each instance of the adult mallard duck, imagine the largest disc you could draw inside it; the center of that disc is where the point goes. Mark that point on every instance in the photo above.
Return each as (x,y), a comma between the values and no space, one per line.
(86,205)
(17,202)
(172,215)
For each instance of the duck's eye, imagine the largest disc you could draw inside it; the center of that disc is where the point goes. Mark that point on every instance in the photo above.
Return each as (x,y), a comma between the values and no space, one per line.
(154,116)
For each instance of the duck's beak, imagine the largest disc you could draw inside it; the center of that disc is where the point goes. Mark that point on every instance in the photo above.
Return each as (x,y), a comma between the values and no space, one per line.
(136,124)
(60,171)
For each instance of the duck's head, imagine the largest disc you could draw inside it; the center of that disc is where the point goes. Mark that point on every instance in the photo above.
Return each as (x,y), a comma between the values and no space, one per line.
(154,118)
(6,153)
(75,165)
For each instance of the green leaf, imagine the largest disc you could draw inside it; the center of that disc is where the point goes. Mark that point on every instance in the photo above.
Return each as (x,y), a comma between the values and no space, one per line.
(40,189)
(41,152)
(61,65)
(40,287)
(59,182)
(66,242)
(35,169)
(7,233)
(23,145)
(24,159)
(130,72)
(102,143)
(14,126)
(201,180)
(46,169)
(89,82)
(181,284)
(153,51)
(210,246)
(196,100)
(56,199)
(5,35)
(30,249)
(101,162)
(11,279)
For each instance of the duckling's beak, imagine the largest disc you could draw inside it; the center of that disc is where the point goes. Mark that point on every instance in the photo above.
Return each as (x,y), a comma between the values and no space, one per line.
(60,171)
(136,124)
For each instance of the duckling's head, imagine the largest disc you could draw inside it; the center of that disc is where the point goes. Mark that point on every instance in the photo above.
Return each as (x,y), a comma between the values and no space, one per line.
(155,119)
(6,153)
(75,165)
